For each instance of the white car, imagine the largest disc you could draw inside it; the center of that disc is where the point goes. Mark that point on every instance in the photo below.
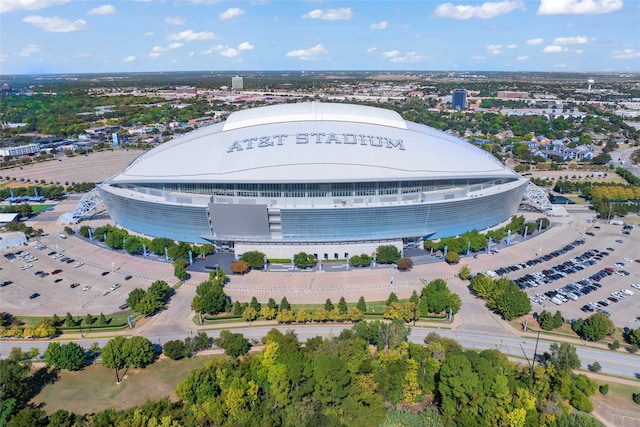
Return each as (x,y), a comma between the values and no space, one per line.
(86,288)
(627,291)
(106,292)
(78,264)
(635,285)
(26,267)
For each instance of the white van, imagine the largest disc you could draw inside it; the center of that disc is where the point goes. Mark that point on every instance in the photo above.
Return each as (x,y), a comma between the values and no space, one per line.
(627,291)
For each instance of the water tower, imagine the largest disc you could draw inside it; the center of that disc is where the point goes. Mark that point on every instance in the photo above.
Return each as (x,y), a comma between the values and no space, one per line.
(590,81)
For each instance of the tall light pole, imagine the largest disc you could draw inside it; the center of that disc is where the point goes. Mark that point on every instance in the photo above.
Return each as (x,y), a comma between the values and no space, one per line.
(609,216)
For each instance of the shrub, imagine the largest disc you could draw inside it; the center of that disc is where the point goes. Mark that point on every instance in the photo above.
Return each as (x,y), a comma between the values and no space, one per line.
(174,349)
(452,257)
(595,367)
(604,389)
(405,264)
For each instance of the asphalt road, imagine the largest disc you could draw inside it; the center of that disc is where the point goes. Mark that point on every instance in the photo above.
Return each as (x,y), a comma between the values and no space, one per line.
(613,363)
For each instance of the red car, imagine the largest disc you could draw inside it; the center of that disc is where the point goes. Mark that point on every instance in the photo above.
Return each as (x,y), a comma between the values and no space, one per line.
(74,285)
(56,271)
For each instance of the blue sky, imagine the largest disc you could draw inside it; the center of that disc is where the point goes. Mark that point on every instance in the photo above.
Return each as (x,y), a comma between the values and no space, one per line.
(70,36)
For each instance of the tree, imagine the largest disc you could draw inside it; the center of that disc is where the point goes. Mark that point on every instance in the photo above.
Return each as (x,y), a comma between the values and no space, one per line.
(595,367)
(304,260)
(135,296)
(362,305)
(452,257)
(113,355)
(328,305)
(180,272)
(595,327)
(405,264)
(249,314)
(564,357)
(139,351)
(68,356)
(174,349)
(239,267)
(255,304)
(464,272)
(89,319)
(14,387)
(254,259)
(234,344)
(392,298)
(284,304)
(210,298)
(342,306)
(387,254)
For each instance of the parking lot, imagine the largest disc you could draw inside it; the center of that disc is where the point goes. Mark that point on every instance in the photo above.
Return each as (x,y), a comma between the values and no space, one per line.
(593,273)
(40,279)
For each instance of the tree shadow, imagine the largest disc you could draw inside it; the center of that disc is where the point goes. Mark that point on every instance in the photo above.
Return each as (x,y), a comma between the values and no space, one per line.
(40,379)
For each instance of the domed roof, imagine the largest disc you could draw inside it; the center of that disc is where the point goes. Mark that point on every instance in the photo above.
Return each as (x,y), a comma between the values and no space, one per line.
(311,142)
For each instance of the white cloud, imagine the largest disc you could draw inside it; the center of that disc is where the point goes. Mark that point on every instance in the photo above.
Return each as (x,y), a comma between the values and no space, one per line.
(554,49)
(190,36)
(230,13)
(9,5)
(245,46)
(379,25)
(494,49)
(212,49)
(625,54)
(534,41)
(342,14)
(29,50)
(371,49)
(390,54)
(512,46)
(174,20)
(486,10)
(55,24)
(522,58)
(312,54)
(105,9)
(159,50)
(409,57)
(129,58)
(148,34)
(571,40)
(230,52)
(578,7)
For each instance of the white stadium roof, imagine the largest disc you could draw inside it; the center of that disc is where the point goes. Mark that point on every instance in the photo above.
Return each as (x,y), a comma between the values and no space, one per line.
(311,142)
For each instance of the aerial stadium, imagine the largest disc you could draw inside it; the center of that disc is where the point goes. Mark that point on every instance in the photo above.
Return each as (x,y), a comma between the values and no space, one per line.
(329,179)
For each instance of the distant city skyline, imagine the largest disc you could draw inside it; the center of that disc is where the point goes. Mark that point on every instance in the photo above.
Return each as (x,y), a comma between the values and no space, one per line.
(69,36)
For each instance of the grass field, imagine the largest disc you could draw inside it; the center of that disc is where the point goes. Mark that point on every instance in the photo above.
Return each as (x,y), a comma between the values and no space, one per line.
(36,209)
(619,396)
(94,388)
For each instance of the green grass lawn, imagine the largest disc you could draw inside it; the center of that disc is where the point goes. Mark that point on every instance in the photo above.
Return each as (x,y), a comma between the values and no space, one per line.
(36,209)
(94,388)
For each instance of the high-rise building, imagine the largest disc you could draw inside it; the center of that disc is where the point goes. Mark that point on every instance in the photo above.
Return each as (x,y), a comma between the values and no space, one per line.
(459,99)
(237,83)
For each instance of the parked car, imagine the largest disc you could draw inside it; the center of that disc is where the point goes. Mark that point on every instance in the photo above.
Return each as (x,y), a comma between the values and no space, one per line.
(34,295)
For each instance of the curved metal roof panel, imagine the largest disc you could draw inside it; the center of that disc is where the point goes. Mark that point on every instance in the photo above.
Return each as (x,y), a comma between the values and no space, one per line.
(312,142)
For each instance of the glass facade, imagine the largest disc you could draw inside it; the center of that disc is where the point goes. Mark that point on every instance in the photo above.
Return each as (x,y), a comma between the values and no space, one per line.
(319,189)
(442,218)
